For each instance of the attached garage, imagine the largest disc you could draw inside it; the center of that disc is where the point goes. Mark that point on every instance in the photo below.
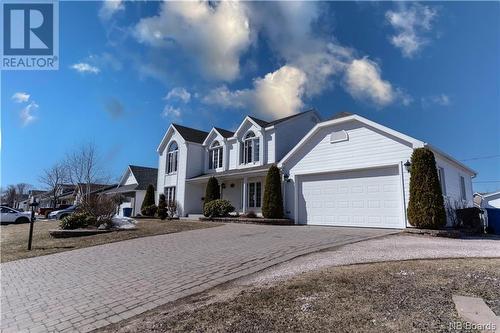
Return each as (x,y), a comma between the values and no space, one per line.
(363,198)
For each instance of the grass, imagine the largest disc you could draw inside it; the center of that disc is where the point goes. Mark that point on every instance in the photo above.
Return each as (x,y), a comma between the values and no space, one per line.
(15,237)
(408,296)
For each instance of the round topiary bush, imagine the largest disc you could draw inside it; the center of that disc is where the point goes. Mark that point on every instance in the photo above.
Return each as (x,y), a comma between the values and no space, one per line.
(426,206)
(217,208)
(272,205)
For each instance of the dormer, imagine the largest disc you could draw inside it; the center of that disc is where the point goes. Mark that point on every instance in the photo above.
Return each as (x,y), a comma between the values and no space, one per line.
(216,150)
(250,140)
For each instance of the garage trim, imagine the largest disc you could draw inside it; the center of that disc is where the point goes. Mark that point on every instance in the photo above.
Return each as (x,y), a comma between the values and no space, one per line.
(298,182)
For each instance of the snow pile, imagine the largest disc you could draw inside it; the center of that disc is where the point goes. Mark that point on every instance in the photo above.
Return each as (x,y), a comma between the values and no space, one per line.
(123,222)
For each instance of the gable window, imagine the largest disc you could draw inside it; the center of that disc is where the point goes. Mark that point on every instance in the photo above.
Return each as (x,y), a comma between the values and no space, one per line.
(250,149)
(339,136)
(172,157)
(170,194)
(442,181)
(254,195)
(215,154)
(463,195)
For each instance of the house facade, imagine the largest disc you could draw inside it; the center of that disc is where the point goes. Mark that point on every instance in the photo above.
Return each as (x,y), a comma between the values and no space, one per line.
(346,171)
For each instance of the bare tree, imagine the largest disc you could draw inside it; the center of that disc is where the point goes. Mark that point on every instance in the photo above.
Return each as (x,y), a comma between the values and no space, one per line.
(9,195)
(22,189)
(84,168)
(53,178)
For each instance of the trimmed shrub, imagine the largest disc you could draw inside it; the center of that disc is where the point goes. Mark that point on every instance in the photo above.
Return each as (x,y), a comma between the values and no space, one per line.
(470,218)
(76,221)
(212,192)
(149,210)
(217,208)
(426,206)
(149,199)
(272,205)
(162,207)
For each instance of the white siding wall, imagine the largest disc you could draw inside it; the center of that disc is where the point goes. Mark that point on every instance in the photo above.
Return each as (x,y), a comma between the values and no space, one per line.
(270,138)
(452,180)
(493,203)
(130,179)
(366,147)
(139,198)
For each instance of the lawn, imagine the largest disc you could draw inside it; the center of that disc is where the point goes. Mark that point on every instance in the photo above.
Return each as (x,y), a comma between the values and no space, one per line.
(407,296)
(15,237)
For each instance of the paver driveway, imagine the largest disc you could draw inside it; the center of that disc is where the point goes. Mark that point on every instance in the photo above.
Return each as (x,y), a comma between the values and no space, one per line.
(88,288)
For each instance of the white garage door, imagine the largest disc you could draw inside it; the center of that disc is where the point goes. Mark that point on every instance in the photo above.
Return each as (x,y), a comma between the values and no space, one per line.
(367,198)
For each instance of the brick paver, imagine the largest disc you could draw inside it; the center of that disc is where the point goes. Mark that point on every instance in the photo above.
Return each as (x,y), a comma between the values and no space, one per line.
(89,288)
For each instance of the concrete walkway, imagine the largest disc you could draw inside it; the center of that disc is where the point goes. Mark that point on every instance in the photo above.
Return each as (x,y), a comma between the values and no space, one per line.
(89,288)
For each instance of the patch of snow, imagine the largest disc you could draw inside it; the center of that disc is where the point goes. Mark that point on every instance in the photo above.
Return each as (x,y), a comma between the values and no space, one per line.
(123,222)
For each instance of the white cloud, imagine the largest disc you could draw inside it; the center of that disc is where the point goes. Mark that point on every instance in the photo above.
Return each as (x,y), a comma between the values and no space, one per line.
(214,35)
(178,93)
(441,100)
(26,113)
(170,111)
(277,94)
(20,97)
(109,8)
(363,81)
(411,24)
(83,67)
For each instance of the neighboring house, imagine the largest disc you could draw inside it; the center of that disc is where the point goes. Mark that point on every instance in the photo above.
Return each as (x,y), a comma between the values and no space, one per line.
(133,185)
(90,189)
(65,196)
(346,171)
(487,200)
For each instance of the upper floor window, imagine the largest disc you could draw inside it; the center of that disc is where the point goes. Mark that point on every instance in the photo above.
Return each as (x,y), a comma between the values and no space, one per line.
(215,155)
(172,157)
(250,148)
(463,194)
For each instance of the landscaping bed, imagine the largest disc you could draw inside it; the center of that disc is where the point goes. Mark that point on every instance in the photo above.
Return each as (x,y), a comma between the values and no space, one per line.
(59,233)
(14,237)
(405,296)
(248,220)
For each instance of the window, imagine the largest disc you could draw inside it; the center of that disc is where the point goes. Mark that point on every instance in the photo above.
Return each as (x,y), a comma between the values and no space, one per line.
(463,195)
(442,181)
(170,194)
(172,156)
(215,154)
(250,149)
(339,136)
(254,195)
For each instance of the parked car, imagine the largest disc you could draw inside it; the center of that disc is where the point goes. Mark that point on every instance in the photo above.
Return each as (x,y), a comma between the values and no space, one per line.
(62,213)
(47,210)
(11,215)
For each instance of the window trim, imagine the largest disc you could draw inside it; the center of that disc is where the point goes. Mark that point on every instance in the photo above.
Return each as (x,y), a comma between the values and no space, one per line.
(172,158)
(463,192)
(250,149)
(170,193)
(442,180)
(257,199)
(215,156)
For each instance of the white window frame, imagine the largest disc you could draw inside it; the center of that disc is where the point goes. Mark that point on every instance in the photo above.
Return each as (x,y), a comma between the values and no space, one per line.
(442,179)
(169,193)
(215,156)
(463,193)
(251,148)
(172,158)
(254,200)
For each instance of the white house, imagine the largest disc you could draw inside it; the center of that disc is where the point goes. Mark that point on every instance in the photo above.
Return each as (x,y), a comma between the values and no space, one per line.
(132,186)
(346,171)
(487,200)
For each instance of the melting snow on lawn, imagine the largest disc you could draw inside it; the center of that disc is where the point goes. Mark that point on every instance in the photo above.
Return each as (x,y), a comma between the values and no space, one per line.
(123,222)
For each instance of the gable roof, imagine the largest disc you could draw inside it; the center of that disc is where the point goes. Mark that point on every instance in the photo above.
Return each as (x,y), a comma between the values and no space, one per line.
(341,115)
(264,123)
(191,134)
(259,122)
(144,176)
(345,117)
(225,133)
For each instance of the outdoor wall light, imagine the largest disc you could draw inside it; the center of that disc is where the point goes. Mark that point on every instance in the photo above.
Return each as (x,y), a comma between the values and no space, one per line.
(407,166)
(286,177)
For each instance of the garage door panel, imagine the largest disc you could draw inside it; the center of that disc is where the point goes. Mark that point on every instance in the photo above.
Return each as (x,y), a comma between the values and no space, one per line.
(369,198)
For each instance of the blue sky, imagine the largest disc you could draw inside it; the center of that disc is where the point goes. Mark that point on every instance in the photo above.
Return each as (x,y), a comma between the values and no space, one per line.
(128,69)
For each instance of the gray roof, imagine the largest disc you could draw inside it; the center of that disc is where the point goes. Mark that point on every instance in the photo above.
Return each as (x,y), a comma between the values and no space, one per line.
(224,133)
(264,123)
(234,172)
(191,134)
(144,176)
(341,115)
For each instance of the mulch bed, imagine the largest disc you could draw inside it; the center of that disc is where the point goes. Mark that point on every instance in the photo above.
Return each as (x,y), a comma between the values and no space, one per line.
(247,220)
